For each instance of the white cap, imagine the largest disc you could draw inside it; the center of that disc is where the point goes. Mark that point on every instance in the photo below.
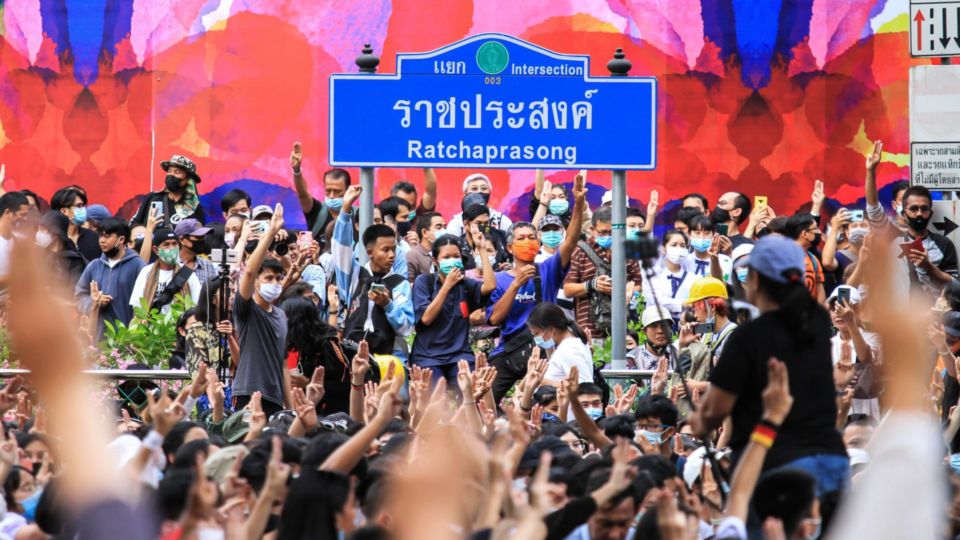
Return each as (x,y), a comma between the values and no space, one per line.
(608,197)
(694,466)
(651,315)
(855,297)
(262,209)
(740,251)
(476,176)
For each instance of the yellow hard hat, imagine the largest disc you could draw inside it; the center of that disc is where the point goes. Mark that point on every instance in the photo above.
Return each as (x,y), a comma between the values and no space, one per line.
(706,287)
(384,361)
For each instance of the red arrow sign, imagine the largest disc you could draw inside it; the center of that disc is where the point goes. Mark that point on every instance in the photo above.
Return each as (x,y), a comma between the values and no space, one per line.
(919,19)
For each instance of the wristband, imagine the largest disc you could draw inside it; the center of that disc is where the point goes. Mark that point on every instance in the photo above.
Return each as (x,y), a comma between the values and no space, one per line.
(189,404)
(769,424)
(153,440)
(763,435)
(525,409)
(357,386)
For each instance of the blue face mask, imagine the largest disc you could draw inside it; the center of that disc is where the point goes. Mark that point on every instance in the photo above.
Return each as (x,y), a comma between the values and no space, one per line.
(551,239)
(558,207)
(604,241)
(633,234)
(550,417)
(80,216)
(447,265)
(701,245)
(334,204)
(412,215)
(955,463)
(594,412)
(544,343)
(438,234)
(742,274)
(30,505)
(652,438)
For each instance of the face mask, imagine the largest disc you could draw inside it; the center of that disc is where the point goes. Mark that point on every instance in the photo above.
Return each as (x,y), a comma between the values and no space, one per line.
(168,255)
(526,250)
(857,235)
(633,234)
(79,216)
(550,417)
(43,239)
(200,246)
(816,240)
(438,234)
(335,204)
(210,534)
(604,241)
(544,343)
(652,438)
(558,207)
(918,223)
(552,239)
(173,184)
(270,291)
(30,505)
(447,265)
(676,254)
(816,532)
(719,215)
(742,274)
(897,208)
(112,252)
(955,463)
(412,216)
(701,245)
(403,227)
(230,239)
(594,412)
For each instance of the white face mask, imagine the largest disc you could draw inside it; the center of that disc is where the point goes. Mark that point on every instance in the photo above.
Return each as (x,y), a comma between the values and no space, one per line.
(230,239)
(44,239)
(676,254)
(270,291)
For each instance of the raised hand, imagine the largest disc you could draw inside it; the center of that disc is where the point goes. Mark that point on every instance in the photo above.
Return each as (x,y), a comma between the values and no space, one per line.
(465,379)
(360,364)
(315,390)
(777,399)
(841,218)
(296,158)
(843,372)
(455,276)
(277,471)
(8,396)
(818,196)
(352,194)
(658,383)
(164,412)
(573,384)
(199,384)
(653,205)
(258,418)
(483,381)
(546,193)
(579,188)
(390,402)
(874,158)
(276,221)
(305,409)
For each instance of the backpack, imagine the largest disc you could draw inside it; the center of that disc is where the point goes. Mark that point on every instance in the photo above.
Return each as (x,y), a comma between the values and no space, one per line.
(601,307)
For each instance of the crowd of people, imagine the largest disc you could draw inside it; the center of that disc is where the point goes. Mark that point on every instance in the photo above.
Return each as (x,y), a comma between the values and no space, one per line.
(436,376)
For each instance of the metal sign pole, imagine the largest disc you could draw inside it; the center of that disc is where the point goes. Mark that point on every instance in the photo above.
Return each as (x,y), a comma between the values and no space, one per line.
(367,63)
(619,67)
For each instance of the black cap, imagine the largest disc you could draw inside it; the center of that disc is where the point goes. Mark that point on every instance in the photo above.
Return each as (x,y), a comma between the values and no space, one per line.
(163,234)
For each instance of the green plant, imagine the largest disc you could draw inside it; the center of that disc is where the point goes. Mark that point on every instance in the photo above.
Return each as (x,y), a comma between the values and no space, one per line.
(149,338)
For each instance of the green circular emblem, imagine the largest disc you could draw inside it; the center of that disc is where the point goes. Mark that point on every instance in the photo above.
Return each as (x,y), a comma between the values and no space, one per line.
(492,57)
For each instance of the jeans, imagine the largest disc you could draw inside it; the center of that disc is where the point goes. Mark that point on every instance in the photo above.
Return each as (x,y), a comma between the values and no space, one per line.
(832,471)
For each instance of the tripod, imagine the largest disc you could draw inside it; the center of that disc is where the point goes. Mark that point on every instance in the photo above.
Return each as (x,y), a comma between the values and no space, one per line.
(223,313)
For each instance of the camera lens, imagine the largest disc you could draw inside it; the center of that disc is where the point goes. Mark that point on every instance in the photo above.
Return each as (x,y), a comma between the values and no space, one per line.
(280,249)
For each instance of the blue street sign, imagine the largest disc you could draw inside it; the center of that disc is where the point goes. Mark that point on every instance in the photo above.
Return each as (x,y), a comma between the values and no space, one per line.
(493,101)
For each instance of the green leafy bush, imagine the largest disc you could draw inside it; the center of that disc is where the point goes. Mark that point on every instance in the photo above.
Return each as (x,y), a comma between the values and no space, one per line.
(149,338)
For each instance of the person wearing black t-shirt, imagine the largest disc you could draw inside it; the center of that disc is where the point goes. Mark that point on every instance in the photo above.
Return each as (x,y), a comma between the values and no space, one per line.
(794,329)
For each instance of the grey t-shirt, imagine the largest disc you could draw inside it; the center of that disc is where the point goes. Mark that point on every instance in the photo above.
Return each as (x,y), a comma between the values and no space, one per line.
(263,340)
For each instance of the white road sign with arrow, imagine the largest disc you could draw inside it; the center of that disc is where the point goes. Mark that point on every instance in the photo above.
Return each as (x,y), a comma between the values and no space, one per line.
(946,220)
(934,28)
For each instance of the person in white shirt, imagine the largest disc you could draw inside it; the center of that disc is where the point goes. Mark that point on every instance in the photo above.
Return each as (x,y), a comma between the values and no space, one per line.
(853,346)
(565,343)
(476,190)
(162,280)
(671,282)
(14,208)
(707,259)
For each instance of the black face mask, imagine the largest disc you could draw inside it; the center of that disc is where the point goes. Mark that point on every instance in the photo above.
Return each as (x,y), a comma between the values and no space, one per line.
(403,227)
(112,252)
(200,246)
(719,215)
(816,240)
(918,223)
(173,184)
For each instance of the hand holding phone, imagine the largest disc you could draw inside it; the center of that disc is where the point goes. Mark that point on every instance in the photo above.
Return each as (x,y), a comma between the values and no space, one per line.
(759,201)
(703,328)
(723,229)
(305,239)
(856,216)
(916,245)
(843,296)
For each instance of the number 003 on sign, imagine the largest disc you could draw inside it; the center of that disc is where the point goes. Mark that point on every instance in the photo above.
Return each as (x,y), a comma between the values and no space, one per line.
(935,165)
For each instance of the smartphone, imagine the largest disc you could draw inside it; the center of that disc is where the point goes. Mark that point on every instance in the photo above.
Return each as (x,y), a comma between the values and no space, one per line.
(856,216)
(843,296)
(156,208)
(917,245)
(258,227)
(722,229)
(378,288)
(305,239)
(759,201)
(703,328)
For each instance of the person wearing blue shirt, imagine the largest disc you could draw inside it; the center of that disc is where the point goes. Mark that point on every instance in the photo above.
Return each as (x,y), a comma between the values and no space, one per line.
(377,299)
(524,286)
(442,304)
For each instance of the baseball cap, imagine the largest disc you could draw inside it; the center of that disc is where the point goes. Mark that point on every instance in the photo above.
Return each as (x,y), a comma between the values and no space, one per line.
(608,197)
(476,176)
(739,253)
(163,234)
(184,163)
(237,426)
(653,315)
(471,199)
(549,220)
(777,258)
(314,276)
(260,210)
(219,463)
(855,297)
(191,227)
(98,212)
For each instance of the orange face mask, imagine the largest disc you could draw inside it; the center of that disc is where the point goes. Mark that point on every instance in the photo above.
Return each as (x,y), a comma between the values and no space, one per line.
(526,250)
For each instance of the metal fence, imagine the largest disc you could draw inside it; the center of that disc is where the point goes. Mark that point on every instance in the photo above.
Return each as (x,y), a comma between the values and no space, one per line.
(118,374)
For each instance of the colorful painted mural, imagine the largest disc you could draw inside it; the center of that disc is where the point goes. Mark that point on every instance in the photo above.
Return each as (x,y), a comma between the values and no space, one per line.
(760,97)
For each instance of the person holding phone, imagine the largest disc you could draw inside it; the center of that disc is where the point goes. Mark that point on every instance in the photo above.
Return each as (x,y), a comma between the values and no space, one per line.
(930,259)
(709,302)
(377,299)
(179,199)
(855,349)
(736,207)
